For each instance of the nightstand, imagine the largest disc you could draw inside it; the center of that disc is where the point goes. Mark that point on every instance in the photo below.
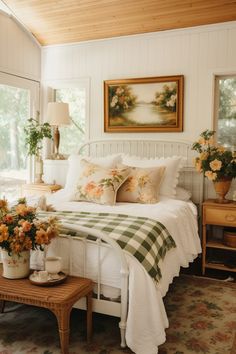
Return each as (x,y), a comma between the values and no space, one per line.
(39,189)
(55,171)
(214,252)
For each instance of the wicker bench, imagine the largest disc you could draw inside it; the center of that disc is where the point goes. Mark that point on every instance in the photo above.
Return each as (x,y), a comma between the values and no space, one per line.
(59,299)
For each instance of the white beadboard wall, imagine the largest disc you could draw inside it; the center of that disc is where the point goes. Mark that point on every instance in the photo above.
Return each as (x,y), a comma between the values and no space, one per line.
(198,53)
(19,53)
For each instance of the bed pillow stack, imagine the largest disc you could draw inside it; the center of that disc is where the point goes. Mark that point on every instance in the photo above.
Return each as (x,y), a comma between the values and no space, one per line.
(122,178)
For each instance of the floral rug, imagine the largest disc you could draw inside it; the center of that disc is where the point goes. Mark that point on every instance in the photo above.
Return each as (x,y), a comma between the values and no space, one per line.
(202,314)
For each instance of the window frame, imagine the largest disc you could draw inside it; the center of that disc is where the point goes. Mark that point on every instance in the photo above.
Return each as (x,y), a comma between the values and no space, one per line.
(34,88)
(217,78)
(48,94)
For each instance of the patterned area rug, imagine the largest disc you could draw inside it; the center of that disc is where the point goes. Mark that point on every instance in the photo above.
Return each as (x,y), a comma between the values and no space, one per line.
(202,316)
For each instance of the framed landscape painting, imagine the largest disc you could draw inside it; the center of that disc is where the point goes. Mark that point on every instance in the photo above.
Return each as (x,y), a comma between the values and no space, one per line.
(144,105)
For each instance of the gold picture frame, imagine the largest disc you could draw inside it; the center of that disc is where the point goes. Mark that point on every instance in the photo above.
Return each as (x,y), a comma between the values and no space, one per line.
(152,104)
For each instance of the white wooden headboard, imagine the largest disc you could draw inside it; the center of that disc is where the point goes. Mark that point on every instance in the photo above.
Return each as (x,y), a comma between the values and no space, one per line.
(189,178)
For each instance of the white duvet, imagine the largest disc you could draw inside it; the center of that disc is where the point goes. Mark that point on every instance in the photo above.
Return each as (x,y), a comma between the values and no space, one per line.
(147,318)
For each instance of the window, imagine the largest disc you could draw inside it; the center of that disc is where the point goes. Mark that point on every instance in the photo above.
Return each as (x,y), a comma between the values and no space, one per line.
(225,110)
(75,92)
(17,98)
(73,135)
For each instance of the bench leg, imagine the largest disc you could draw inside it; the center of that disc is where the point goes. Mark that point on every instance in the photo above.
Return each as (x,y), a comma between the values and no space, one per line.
(2,306)
(89,316)
(63,320)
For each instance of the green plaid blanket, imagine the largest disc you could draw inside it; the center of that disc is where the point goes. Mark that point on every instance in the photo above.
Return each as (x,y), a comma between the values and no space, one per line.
(144,238)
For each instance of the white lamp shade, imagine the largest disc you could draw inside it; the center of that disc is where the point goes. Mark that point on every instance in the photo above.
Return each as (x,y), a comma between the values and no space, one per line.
(58,113)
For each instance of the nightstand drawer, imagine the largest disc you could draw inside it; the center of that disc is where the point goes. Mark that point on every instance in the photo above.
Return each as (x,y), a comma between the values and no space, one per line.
(217,216)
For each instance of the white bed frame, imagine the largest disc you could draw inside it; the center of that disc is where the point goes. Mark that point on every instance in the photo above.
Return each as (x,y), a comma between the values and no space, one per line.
(189,179)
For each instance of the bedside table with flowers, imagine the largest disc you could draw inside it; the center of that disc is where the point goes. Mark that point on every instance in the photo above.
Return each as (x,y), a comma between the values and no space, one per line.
(219,215)
(20,232)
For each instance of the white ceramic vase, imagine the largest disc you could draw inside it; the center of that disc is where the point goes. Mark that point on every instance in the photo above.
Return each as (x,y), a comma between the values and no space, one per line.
(15,266)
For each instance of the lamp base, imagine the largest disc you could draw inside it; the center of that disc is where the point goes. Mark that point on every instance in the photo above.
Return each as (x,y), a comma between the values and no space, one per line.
(56,155)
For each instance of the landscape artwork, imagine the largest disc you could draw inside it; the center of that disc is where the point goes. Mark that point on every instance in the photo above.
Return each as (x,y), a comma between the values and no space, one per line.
(144,105)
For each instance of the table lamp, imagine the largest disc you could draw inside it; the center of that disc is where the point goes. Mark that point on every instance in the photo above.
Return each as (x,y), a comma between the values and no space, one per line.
(57,115)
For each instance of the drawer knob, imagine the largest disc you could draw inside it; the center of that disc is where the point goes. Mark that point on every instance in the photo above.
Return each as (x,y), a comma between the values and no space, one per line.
(230,217)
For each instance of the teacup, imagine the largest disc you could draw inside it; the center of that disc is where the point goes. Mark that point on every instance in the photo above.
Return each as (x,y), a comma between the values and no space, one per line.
(53,265)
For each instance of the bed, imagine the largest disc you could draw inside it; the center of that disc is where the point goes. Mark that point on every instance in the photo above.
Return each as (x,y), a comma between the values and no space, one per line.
(123,287)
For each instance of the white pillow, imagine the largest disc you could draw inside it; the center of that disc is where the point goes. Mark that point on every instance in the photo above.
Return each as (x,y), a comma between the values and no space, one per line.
(74,169)
(171,175)
(182,194)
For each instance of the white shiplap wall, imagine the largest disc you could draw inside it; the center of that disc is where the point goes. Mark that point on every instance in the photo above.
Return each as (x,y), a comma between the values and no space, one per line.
(197,53)
(19,53)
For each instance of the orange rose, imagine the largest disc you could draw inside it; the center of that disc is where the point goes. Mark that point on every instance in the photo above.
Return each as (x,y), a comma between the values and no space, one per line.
(4,234)
(26,226)
(211,175)
(215,165)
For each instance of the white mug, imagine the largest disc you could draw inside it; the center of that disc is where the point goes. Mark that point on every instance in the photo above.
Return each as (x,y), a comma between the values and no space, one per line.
(53,265)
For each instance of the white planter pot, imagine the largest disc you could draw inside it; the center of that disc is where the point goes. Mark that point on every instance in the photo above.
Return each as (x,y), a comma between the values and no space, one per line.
(16,266)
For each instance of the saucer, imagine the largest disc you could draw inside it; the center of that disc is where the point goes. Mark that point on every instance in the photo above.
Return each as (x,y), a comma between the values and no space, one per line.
(52,280)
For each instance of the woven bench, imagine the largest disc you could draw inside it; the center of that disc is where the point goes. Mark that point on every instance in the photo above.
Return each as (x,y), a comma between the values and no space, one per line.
(59,299)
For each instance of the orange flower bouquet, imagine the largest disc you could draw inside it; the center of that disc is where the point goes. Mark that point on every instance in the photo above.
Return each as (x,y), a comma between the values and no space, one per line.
(214,161)
(21,230)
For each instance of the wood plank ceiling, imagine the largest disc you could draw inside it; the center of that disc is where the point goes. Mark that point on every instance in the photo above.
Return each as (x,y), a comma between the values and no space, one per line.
(66,21)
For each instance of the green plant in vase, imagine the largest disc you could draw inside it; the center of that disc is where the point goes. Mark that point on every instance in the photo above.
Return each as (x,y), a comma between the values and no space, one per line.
(34,135)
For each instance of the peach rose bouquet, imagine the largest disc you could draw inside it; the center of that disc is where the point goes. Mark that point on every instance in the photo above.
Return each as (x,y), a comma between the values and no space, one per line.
(214,161)
(21,230)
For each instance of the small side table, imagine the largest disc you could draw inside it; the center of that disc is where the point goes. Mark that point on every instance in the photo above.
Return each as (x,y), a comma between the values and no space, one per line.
(39,189)
(59,299)
(216,214)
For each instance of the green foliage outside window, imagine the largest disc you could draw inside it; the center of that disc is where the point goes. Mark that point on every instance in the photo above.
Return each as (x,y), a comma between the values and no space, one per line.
(226,123)
(73,135)
(14,111)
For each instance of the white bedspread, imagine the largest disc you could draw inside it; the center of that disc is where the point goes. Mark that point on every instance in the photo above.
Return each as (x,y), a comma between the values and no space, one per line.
(147,318)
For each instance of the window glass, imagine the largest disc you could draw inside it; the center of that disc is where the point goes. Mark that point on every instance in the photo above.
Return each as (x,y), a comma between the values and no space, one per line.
(226,110)
(14,111)
(72,136)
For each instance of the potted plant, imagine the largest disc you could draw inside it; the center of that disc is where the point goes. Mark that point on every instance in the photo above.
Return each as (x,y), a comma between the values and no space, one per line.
(20,232)
(35,133)
(215,162)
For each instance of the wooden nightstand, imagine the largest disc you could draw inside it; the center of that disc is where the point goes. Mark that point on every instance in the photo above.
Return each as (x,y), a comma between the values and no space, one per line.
(222,215)
(39,189)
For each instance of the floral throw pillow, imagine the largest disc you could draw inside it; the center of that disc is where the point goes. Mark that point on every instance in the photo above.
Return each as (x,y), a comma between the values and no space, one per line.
(141,186)
(99,185)
(172,164)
